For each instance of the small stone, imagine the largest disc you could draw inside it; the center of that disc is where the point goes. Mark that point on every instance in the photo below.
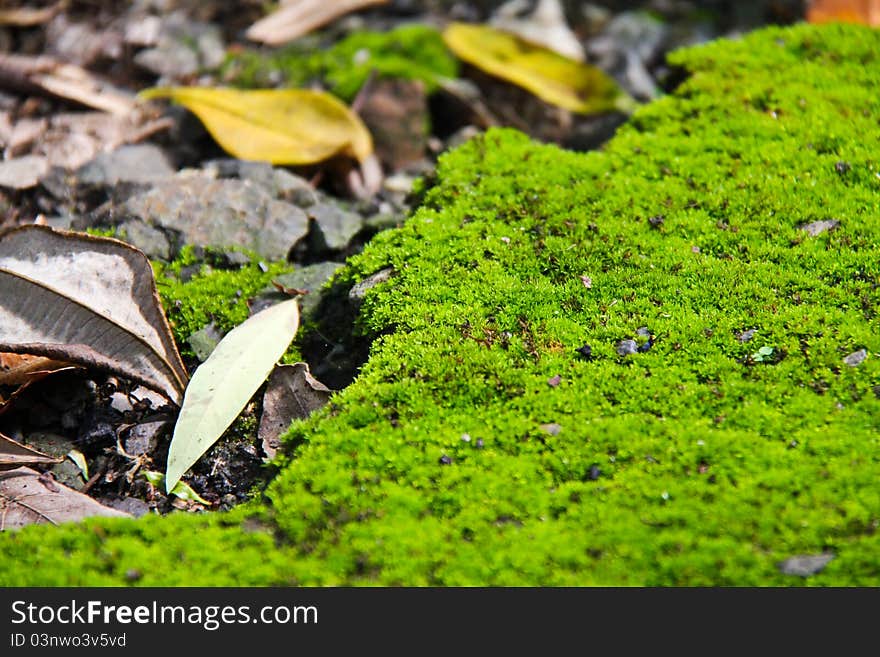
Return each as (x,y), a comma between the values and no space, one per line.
(627,348)
(856,358)
(747,335)
(130,505)
(183,48)
(646,346)
(119,402)
(136,163)
(311,278)
(595,473)
(445,460)
(466,437)
(586,351)
(97,434)
(643,331)
(552,428)
(204,341)
(359,290)
(656,221)
(479,443)
(144,438)
(23,172)
(842,167)
(145,237)
(221,213)
(587,281)
(695,249)
(818,227)
(133,575)
(805,565)
(332,227)
(554,381)
(235,259)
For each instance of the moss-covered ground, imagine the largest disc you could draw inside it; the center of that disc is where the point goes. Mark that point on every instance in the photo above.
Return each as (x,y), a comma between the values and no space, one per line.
(483,444)
(410,52)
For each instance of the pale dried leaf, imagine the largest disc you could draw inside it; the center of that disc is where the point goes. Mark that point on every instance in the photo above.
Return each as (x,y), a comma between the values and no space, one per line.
(28,16)
(224,383)
(545,26)
(298,17)
(292,393)
(13,454)
(87,300)
(28,498)
(56,78)
(69,140)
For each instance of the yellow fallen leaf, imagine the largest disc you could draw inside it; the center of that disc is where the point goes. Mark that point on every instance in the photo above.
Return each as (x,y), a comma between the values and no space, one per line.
(281,126)
(557,80)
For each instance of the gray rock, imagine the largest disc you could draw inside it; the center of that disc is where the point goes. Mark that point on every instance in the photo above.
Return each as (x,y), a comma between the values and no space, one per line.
(818,227)
(144,438)
(131,505)
(184,48)
(359,290)
(805,565)
(310,278)
(138,163)
(630,31)
(202,210)
(148,239)
(384,220)
(551,429)
(280,183)
(747,335)
(856,358)
(119,402)
(333,227)
(23,172)
(204,341)
(627,347)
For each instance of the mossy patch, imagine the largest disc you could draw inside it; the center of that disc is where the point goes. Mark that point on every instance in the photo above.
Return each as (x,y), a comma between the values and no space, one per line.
(411,52)
(195,293)
(483,443)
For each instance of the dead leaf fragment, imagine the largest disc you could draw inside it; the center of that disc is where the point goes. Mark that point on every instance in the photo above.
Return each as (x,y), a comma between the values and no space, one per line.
(13,454)
(555,79)
(545,26)
(291,394)
(298,17)
(71,139)
(87,300)
(866,12)
(50,76)
(21,369)
(28,16)
(25,499)
(280,126)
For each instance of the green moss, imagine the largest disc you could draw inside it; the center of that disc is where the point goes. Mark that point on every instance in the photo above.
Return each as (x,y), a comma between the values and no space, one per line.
(412,52)
(458,456)
(210,294)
